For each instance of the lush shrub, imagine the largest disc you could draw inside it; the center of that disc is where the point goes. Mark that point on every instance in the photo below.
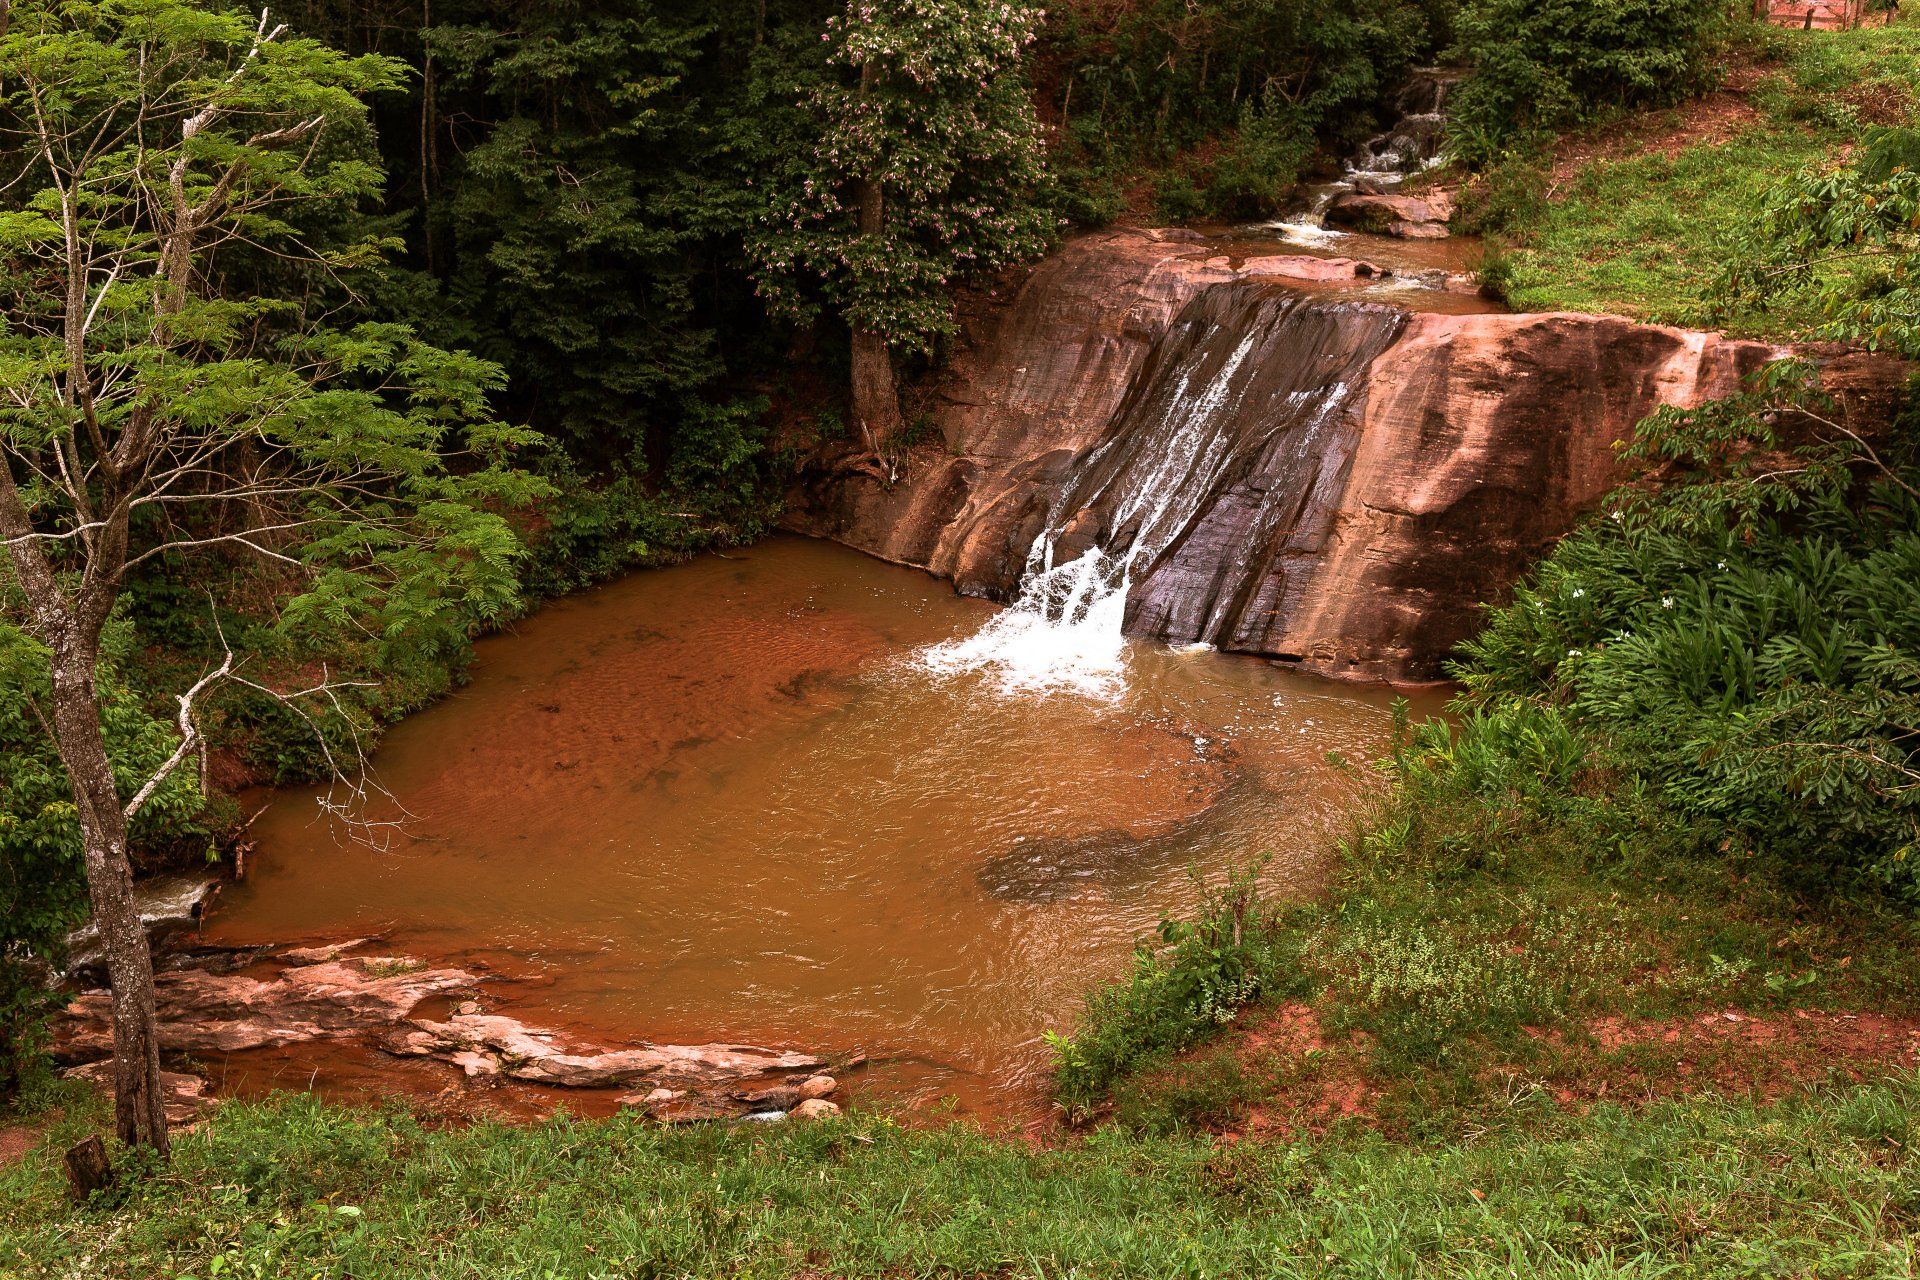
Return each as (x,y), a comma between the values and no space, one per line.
(1547,64)
(1261,163)
(1191,980)
(721,485)
(43,892)
(1744,638)
(1145,83)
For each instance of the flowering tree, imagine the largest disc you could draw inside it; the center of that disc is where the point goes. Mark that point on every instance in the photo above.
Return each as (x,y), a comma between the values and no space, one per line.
(924,172)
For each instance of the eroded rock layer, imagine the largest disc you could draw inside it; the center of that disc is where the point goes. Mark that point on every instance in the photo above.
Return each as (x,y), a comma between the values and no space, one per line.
(1354,480)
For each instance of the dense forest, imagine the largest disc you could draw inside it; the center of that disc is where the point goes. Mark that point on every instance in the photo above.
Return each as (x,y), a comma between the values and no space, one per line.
(336,335)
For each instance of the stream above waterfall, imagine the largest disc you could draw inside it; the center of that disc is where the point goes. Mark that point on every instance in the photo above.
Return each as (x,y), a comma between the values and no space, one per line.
(730,800)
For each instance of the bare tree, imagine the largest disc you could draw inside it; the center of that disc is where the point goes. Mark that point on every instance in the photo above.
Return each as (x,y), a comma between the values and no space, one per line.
(145,400)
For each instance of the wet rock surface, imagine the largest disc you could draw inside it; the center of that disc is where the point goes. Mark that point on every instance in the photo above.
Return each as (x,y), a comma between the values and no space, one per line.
(321,993)
(171,908)
(490,1044)
(1413,217)
(207,1012)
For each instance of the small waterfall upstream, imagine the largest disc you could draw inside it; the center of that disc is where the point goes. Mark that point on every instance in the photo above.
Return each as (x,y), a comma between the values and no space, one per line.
(1382,163)
(1228,450)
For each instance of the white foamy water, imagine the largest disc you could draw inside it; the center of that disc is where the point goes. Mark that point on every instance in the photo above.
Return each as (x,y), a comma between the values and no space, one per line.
(1309,234)
(1061,635)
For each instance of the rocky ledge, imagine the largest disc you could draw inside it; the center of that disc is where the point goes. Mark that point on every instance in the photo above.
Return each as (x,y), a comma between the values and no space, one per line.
(1359,541)
(303,995)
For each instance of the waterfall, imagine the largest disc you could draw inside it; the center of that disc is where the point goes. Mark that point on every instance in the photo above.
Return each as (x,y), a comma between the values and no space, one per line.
(1235,432)
(1381,164)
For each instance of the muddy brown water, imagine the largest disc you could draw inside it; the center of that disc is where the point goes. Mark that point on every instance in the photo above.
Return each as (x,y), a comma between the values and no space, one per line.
(723,801)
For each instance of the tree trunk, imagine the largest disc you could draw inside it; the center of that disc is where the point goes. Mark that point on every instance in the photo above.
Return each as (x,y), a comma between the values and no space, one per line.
(88,1170)
(876,397)
(139,1112)
(876,400)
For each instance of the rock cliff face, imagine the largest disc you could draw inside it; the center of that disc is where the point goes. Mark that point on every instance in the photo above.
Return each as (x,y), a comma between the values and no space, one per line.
(1303,474)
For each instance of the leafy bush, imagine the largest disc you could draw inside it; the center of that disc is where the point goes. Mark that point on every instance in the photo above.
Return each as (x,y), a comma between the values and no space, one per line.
(1744,637)
(1546,64)
(721,486)
(1190,981)
(43,891)
(1254,175)
(1143,83)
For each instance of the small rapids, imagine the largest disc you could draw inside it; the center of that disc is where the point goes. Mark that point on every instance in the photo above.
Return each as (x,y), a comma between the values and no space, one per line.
(1413,145)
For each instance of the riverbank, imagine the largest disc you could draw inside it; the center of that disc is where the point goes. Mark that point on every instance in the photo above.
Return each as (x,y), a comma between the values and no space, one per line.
(1818,1184)
(1455,1168)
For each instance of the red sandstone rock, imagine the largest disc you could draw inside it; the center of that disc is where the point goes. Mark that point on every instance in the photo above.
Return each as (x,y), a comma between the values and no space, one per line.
(1416,217)
(183,1096)
(1303,267)
(1034,385)
(489,1044)
(1473,444)
(204,1012)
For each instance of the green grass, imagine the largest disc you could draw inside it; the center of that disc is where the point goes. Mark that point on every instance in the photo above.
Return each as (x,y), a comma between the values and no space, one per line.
(1824,1184)
(1647,235)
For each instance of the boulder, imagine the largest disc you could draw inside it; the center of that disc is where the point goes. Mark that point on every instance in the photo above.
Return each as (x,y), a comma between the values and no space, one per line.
(815,1109)
(1418,217)
(1308,269)
(816,1087)
(170,907)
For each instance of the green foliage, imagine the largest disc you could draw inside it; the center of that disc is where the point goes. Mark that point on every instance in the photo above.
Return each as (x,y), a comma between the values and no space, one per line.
(1139,84)
(174,407)
(1189,982)
(1850,237)
(1654,232)
(721,487)
(1745,635)
(923,105)
(1545,66)
(43,892)
(1257,172)
(578,218)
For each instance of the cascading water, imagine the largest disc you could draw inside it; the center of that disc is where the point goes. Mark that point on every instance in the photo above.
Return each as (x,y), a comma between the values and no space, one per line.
(1381,164)
(1232,440)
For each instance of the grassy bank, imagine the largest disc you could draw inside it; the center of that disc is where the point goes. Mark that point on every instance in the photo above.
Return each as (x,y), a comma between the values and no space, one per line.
(1640,217)
(1821,1184)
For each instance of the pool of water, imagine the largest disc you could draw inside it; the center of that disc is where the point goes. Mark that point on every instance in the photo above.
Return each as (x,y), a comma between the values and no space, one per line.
(738,800)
